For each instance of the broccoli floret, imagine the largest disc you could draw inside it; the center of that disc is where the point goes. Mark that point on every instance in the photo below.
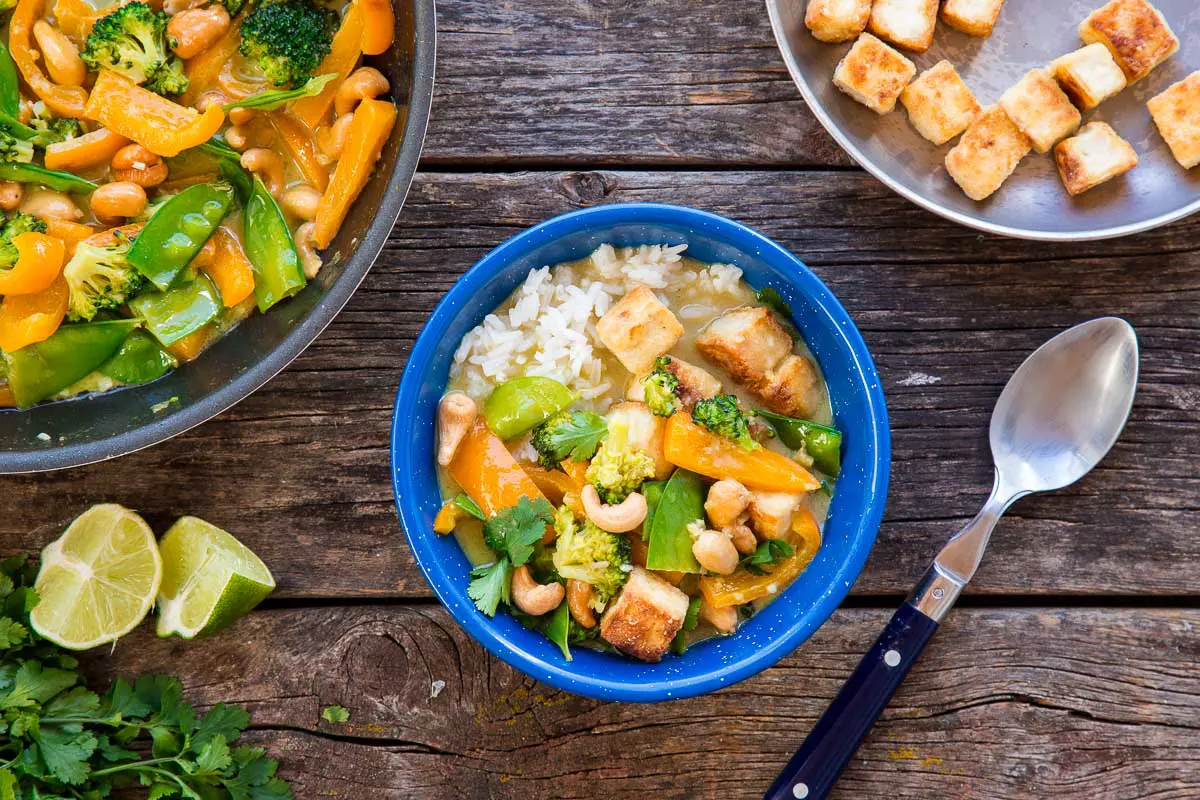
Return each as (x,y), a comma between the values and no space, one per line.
(53,129)
(133,41)
(100,278)
(289,39)
(7,5)
(13,226)
(14,149)
(588,554)
(568,434)
(617,473)
(722,416)
(232,6)
(662,387)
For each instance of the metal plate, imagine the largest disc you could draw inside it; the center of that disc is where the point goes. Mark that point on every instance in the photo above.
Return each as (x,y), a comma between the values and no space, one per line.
(1032,204)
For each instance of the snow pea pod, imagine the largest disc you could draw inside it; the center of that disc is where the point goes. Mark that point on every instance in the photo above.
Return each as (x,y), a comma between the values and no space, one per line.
(140,360)
(272,251)
(72,353)
(50,178)
(181,310)
(681,504)
(10,89)
(177,231)
(822,443)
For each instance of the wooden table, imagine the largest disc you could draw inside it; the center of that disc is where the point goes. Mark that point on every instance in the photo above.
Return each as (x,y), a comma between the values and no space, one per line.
(1070,670)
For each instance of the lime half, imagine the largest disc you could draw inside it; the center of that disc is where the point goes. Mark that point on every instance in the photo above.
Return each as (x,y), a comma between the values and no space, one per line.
(210,579)
(98,580)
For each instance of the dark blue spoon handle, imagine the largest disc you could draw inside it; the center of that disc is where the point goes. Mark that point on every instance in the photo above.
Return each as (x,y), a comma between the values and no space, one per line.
(812,772)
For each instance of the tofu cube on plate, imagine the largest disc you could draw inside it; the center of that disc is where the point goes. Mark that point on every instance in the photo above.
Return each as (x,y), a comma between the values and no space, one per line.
(1135,32)
(1094,155)
(1176,112)
(974,17)
(940,106)
(987,153)
(1041,109)
(905,23)
(837,20)
(1089,76)
(873,74)
(645,617)
(638,329)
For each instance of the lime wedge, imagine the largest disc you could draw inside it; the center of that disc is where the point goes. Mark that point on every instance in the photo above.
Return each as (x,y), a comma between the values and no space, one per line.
(98,580)
(210,580)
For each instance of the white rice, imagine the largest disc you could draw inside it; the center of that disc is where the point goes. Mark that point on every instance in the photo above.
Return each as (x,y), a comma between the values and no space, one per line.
(549,327)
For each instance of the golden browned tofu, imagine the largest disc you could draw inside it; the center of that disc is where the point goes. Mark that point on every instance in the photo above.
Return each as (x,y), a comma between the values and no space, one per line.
(1089,76)
(645,617)
(973,17)
(1041,109)
(1176,112)
(745,342)
(837,20)
(873,74)
(905,23)
(771,513)
(1094,155)
(639,329)
(791,388)
(939,104)
(695,384)
(987,153)
(1135,32)
(633,426)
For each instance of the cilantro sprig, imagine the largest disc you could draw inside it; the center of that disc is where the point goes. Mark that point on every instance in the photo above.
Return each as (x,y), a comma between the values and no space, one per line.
(767,554)
(568,434)
(512,534)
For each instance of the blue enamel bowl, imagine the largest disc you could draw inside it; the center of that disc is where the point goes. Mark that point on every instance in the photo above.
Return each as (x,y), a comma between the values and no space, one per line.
(858,408)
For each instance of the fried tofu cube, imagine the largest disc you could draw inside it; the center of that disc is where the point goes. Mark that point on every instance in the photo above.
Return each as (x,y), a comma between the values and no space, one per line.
(645,617)
(695,384)
(1176,112)
(939,104)
(1094,155)
(837,20)
(639,329)
(771,513)
(987,153)
(1089,76)
(973,17)
(791,388)
(1135,32)
(1041,109)
(873,74)
(633,426)
(745,342)
(905,23)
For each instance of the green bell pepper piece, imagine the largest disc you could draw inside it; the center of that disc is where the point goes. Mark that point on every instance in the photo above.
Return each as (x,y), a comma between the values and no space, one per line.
(822,443)
(73,352)
(681,504)
(271,249)
(177,231)
(179,311)
(516,406)
(10,87)
(140,360)
(50,178)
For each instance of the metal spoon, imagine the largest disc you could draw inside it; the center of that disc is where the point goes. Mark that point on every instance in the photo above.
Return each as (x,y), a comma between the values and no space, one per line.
(1058,416)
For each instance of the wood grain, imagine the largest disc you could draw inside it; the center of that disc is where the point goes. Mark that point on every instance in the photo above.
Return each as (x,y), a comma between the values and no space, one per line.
(300,470)
(1006,703)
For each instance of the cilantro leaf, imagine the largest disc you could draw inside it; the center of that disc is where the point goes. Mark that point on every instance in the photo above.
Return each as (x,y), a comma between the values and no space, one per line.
(214,756)
(770,297)
(335,715)
(65,755)
(226,722)
(8,785)
(514,531)
(767,553)
(569,434)
(12,633)
(33,685)
(490,585)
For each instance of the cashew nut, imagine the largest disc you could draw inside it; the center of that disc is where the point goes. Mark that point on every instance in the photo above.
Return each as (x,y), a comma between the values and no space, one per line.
(11,193)
(268,165)
(136,164)
(301,201)
(117,201)
(579,598)
(619,518)
(742,537)
(727,500)
(310,262)
(62,57)
(532,597)
(193,31)
(363,83)
(241,116)
(715,552)
(332,140)
(456,415)
(723,619)
(48,203)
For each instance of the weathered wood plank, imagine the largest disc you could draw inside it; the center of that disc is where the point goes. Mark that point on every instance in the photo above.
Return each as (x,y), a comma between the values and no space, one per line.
(300,471)
(1006,703)
(563,82)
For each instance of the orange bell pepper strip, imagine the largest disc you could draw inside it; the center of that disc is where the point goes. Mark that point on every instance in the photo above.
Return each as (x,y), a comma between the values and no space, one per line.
(65,101)
(71,233)
(342,59)
(742,586)
(299,140)
(488,473)
(227,265)
(27,319)
(39,261)
(379,26)
(191,345)
(557,484)
(75,18)
(161,126)
(369,130)
(82,152)
(689,446)
(204,70)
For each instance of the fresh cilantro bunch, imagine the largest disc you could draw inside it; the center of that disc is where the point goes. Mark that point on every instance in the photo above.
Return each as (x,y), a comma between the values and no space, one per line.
(512,534)
(60,741)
